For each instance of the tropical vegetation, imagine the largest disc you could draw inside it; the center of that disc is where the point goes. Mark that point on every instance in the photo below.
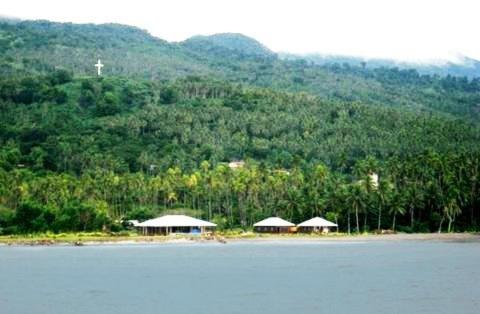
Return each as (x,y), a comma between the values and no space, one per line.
(156,134)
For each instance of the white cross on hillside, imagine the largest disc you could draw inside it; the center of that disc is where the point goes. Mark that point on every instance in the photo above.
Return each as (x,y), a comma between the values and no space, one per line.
(99,67)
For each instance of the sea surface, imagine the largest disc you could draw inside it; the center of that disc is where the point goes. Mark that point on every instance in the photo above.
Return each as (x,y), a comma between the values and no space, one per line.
(243,277)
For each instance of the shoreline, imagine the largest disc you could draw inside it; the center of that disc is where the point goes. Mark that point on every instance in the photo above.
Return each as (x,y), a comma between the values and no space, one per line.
(82,240)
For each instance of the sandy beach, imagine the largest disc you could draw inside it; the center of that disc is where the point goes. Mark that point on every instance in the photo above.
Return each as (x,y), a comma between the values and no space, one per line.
(247,237)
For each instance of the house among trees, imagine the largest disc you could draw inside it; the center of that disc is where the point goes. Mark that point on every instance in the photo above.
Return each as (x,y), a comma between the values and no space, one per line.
(169,224)
(316,224)
(236,164)
(274,225)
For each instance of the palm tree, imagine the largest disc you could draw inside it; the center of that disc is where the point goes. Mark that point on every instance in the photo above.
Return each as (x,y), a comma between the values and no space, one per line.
(396,207)
(452,210)
(356,198)
(320,175)
(383,195)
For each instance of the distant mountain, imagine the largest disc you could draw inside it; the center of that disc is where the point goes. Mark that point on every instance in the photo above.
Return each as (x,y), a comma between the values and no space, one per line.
(38,47)
(125,50)
(465,66)
(231,42)
(9,19)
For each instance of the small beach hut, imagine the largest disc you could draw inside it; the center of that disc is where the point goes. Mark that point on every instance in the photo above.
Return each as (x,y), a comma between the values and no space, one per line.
(175,224)
(316,224)
(274,225)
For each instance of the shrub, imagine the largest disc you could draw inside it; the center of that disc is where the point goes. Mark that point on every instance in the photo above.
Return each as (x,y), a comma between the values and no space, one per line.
(34,217)
(168,95)
(141,213)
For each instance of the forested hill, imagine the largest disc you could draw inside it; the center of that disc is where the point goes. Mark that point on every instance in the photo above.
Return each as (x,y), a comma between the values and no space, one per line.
(82,153)
(39,46)
(463,66)
(62,124)
(155,134)
(227,43)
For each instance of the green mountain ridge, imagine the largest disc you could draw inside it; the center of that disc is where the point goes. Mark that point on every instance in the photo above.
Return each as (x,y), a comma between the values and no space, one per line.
(39,46)
(464,66)
(233,42)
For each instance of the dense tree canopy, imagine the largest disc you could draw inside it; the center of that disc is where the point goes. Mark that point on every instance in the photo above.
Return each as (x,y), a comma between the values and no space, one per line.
(81,153)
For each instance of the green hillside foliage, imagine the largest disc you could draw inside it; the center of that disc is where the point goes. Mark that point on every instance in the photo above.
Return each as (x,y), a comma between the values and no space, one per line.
(228,43)
(156,132)
(41,46)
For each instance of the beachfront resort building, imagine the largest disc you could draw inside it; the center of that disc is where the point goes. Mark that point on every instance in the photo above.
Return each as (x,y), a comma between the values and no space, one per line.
(169,224)
(316,224)
(274,225)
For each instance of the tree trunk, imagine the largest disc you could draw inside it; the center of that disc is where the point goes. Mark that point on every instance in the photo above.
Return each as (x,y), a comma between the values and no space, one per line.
(393,224)
(365,219)
(379,226)
(356,217)
(209,206)
(450,222)
(441,223)
(411,217)
(348,223)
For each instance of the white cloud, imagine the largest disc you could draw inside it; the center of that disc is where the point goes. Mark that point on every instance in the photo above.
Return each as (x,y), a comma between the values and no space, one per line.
(401,29)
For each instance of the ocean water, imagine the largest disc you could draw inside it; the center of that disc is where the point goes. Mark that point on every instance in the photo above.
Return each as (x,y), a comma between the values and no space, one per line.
(264,277)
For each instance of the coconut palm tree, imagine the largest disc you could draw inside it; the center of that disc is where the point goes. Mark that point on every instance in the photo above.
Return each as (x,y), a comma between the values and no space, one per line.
(397,207)
(383,196)
(356,199)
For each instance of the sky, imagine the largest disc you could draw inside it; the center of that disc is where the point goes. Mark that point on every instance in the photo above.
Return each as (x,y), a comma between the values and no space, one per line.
(409,30)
